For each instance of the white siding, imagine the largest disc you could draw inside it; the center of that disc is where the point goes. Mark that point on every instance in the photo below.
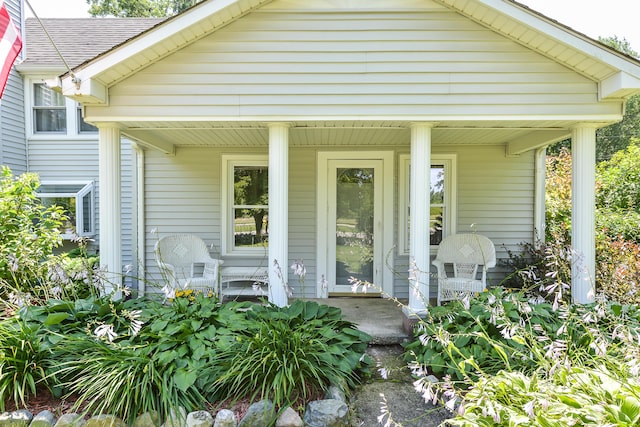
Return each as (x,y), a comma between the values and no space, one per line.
(434,64)
(77,160)
(183,195)
(12,135)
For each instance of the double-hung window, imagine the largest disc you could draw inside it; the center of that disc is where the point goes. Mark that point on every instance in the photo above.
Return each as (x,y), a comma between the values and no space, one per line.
(442,204)
(54,114)
(77,200)
(49,110)
(245,188)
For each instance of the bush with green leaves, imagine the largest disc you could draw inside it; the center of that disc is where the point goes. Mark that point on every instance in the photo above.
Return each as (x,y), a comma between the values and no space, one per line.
(29,232)
(502,354)
(458,338)
(289,354)
(23,363)
(569,396)
(131,356)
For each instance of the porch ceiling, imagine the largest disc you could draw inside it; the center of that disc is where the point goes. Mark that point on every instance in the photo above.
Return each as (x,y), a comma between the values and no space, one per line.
(166,135)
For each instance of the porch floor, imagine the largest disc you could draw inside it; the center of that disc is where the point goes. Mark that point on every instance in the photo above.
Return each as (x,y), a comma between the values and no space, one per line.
(379,317)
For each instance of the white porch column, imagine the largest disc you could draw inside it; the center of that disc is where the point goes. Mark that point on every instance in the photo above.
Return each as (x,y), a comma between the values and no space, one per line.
(110,230)
(583,241)
(420,206)
(278,213)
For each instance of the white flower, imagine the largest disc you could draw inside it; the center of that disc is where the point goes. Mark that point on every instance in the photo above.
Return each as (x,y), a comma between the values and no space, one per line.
(299,269)
(384,373)
(528,408)
(324,283)
(136,324)
(169,292)
(105,332)
(19,299)
(56,291)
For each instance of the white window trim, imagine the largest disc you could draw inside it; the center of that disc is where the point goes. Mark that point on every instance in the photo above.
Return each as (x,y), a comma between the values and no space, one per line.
(449,161)
(87,187)
(228,163)
(71,108)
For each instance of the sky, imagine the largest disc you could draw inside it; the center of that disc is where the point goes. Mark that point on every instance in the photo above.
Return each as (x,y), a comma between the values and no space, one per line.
(595,18)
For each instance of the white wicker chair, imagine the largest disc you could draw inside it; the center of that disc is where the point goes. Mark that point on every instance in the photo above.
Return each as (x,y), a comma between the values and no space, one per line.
(463,254)
(185,263)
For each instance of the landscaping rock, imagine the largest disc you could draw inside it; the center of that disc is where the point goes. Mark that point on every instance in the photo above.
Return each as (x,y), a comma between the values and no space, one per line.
(105,421)
(199,419)
(326,413)
(43,419)
(20,418)
(70,420)
(335,392)
(259,414)
(148,419)
(176,419)
(289,418)
(225,418)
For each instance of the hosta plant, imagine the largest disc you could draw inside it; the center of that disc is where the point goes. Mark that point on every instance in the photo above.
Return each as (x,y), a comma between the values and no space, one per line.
(23,364)
(289,354)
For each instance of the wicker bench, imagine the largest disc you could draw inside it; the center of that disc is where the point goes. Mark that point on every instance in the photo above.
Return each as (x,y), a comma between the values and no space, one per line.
(244,281)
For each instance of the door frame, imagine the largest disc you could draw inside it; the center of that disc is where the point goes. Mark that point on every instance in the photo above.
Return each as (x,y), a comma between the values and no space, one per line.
(383,229)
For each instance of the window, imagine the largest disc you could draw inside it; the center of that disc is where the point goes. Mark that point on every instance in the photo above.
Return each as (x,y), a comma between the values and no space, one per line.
(245,204)
(49,110)
(78,202)
(83,127)
(443,198)
(55,114)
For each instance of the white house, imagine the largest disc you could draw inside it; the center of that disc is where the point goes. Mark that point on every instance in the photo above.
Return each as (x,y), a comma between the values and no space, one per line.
(315,121)
(55,141)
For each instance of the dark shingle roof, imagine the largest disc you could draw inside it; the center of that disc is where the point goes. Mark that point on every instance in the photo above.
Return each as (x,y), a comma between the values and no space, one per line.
(78,39)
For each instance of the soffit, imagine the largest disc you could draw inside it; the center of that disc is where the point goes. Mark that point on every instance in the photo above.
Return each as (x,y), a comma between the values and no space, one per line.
(325,133)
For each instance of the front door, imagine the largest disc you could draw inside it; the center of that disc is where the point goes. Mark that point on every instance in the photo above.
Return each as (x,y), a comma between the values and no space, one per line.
(353,222)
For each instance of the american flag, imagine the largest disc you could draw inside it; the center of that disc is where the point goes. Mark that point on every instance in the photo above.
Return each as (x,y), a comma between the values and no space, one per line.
(10,45)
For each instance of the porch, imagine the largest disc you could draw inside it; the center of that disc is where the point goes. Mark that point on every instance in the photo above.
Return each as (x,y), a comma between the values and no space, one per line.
(379,317)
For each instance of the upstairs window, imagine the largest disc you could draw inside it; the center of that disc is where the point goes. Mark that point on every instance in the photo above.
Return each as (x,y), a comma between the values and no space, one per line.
(49,110)
(245,205)
(77,200)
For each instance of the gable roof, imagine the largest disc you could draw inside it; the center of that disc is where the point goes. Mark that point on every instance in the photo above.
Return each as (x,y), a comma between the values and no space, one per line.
(618,75)
(78,39)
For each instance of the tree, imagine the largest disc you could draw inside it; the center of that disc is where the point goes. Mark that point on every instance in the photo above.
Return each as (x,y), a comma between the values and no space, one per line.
(139,8)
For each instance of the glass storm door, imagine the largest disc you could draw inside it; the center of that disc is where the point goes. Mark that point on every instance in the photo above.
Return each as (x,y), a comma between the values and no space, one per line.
(354,207)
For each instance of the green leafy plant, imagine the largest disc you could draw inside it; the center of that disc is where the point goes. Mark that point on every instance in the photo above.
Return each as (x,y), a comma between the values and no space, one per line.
(462,337)
(122,379)
(540,369)
(29,232)
(23,364)
(289,354)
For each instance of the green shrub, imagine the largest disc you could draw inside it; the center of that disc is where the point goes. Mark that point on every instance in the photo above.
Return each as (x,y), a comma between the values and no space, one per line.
(28,234)
(502,355)
(289,354)
(482,333)
(618,270)
(569,396)
(130,356)
(122,379)
(23,364)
